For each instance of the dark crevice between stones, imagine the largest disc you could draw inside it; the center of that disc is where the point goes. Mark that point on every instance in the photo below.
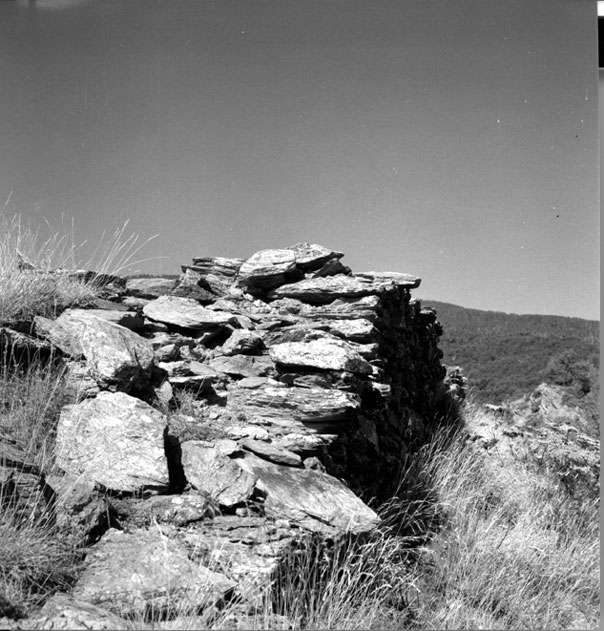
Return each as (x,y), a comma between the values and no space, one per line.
(176,472)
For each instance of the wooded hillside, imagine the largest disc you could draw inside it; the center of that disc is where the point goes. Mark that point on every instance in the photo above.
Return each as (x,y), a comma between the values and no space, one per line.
(505,356)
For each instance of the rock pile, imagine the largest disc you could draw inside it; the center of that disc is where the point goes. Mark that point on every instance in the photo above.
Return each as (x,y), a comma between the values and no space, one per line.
(213,417)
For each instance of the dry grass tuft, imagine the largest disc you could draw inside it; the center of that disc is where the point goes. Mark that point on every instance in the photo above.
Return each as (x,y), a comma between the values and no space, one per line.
(37,273)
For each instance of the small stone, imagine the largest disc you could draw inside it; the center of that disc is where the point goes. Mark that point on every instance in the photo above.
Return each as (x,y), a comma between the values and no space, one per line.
(241,342)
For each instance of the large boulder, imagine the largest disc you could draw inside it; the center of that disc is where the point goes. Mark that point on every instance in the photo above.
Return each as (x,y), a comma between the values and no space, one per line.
(114,440)
(311,499)
(144,573)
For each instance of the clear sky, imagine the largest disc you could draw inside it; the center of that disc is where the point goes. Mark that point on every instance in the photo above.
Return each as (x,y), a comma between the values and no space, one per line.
(454,140)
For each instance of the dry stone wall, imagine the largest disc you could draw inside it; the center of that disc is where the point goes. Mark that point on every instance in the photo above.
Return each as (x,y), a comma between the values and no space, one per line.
(261,397)
(338,366)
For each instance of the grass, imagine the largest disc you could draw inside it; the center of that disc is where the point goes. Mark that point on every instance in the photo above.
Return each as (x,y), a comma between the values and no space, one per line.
(34,560)
(518,549)
(53,284)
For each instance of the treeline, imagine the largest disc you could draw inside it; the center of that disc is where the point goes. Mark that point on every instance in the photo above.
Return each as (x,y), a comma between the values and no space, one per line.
(505,356)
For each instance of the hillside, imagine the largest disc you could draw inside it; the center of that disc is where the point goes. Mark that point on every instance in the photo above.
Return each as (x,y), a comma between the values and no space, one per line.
(505,356)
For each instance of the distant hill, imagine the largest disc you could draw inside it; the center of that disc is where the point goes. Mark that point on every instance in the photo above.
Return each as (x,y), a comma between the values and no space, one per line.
(505,356)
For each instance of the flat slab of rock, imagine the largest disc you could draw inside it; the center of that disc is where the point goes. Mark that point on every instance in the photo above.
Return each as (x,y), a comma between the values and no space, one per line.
(247,549)
(186,313)
(128,319)
(312,499)
(178,510)
(311,256)
(271,452)
(134,574)
(333,267)
(267,269)
(150,287)
(116,355)
(325,353)
(324,290)
(298,410)
(209,470)
(357,329)
(217,265)
(115,440)
(243,365)
(59,336)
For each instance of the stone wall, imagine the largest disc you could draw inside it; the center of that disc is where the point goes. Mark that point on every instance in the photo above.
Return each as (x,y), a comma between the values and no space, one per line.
(241,404)
(340,366)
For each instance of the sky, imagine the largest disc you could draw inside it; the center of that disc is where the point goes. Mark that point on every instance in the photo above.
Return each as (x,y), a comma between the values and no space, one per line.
(457,141)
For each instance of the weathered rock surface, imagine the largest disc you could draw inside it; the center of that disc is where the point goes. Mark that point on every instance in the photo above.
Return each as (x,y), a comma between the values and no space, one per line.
(323,290)
(186,313)
(178,510)
(115,440)
(128,319)
(248,549)
(313,500)
(312,256)
(150,287)
(59,336)
(242,365)
(144,573)
(218,266)
(79,382)
(271,452)
(80,507)
(326,353)
(267,269)
(285,410)
(212,472)
(241,341)
(115,355)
